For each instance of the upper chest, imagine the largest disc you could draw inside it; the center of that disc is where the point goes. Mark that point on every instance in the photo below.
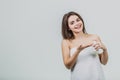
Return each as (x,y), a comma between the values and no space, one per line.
(83,41)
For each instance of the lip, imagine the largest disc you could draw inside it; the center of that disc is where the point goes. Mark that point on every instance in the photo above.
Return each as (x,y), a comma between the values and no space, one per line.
(78,26)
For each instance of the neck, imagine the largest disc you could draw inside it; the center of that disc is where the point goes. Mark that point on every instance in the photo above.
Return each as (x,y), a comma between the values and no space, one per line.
(79,35)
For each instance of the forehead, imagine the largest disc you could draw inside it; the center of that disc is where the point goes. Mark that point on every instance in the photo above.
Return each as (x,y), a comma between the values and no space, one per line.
(72,18)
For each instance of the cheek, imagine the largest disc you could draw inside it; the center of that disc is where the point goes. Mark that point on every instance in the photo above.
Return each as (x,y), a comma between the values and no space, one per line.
(81,28)
(70,27)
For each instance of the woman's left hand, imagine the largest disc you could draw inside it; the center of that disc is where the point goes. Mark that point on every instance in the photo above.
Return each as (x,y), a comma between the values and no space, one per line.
(98,45)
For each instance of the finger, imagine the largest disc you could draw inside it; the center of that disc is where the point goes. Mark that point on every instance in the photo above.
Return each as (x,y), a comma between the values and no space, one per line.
(87,46)
(79,47)
(100,43)
(90,44)
(97,44)
(97,48)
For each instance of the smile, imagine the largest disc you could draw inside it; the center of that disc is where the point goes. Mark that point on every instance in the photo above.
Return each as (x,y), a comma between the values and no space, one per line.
(78,26)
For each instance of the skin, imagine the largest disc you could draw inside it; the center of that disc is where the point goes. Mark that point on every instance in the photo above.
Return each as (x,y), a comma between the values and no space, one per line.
(81,41)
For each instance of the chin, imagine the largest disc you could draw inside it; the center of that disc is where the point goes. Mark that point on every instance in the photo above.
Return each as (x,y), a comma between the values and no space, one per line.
(77,31)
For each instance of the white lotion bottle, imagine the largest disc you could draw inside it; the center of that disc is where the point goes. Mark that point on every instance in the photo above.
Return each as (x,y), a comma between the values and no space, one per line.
(99,51)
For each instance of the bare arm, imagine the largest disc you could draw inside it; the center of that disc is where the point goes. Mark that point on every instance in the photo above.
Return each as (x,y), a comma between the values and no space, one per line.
(104,56)
(69,61)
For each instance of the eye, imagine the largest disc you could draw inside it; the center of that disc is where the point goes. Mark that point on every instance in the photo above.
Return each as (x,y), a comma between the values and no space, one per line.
(72,22)
(78,19)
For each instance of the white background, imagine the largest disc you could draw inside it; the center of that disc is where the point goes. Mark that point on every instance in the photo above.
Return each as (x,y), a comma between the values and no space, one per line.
(30,36)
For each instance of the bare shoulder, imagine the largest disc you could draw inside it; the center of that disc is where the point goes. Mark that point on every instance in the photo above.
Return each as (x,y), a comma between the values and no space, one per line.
(94,36)
(65,42)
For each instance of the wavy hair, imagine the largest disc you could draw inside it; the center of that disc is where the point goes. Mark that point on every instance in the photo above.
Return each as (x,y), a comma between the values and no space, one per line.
(66,33)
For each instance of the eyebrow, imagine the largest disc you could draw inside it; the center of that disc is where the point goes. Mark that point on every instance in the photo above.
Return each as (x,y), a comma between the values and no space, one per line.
(77,18)
(71,22)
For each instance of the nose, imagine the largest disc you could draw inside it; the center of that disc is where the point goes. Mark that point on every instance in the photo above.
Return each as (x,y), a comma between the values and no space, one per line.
(77,24)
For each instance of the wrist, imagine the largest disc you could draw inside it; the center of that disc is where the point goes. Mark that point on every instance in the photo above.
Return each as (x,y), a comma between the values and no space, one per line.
(105,50)
(78,50)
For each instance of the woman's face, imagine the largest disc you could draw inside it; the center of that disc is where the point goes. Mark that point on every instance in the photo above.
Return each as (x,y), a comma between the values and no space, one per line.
(75,24)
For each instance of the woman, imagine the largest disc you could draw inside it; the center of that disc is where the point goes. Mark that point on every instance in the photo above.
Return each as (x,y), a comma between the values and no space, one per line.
(80,54)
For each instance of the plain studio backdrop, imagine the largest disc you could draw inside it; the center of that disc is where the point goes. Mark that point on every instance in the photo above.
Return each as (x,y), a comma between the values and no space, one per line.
(30,36)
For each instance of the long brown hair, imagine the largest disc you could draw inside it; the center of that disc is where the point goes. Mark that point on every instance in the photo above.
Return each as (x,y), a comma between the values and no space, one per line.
(66,33)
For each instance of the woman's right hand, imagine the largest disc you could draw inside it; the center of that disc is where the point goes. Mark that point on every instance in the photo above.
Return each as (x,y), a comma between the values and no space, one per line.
(82,46)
